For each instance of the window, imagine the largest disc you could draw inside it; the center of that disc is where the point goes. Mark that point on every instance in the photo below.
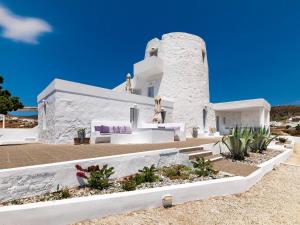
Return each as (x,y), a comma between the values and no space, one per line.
(203,55)
(224,120)
(218,123)
(44,116)
(151,91)
(204,118)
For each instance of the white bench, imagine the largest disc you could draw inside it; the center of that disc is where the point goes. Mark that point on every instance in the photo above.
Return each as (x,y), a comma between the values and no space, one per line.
(179,129)
(97,137)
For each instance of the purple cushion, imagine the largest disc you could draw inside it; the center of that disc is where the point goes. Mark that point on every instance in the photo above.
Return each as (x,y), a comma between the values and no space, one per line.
(97,128)
(111,129)
(128,130)
(116,129)
(122,130)
(104,129)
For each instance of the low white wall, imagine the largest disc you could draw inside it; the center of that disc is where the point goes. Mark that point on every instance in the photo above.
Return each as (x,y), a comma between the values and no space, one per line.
(33,180)
(72,210)
(295,139)
(11,135)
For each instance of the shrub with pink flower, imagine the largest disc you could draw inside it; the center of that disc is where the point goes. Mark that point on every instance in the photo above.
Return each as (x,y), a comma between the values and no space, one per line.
(96,177)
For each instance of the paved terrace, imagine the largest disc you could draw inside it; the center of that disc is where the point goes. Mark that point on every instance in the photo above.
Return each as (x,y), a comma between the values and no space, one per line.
(33,154)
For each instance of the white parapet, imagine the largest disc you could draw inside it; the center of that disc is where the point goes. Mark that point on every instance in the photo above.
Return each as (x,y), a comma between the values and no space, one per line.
(148,67)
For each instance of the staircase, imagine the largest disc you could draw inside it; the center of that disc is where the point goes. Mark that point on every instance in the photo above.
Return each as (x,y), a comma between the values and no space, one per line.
(198,151)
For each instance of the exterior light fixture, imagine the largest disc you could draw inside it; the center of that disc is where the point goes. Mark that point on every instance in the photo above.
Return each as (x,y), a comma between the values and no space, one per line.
(167,201)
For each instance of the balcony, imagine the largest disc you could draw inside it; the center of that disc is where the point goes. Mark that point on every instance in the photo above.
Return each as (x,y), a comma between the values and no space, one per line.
(148,67)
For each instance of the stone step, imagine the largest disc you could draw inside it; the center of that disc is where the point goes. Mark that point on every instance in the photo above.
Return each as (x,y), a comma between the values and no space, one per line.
(200,154)
(214,158)
(190,149)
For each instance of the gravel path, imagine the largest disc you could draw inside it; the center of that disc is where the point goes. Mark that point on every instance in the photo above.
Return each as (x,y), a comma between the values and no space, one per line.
(274,200)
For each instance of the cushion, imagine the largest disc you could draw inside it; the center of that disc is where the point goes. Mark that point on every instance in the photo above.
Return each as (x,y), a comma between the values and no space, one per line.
(104,129)
(111,130)
(122,130)
(128,130)
(97,128)
(116,129)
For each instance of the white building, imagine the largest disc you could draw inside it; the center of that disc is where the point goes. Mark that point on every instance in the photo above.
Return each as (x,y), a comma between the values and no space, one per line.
(174,68)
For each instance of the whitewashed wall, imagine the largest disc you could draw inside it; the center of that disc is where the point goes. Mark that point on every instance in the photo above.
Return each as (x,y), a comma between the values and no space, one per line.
(252,118)
(18,135)
(34,180)
(232,119)
(185,77)
(70,106)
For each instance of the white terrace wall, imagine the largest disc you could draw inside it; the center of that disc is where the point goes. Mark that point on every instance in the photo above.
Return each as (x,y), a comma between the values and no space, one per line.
(69,106)
(16,135)
(33,180)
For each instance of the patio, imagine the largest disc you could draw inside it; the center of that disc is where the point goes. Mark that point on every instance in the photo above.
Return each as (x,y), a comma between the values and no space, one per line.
(33,154)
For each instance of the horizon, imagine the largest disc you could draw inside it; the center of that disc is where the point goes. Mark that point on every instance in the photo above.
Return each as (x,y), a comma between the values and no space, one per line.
(252,48)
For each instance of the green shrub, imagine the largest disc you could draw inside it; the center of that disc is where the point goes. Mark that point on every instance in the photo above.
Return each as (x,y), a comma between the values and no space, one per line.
(129,184)
(203,167)
(97,178)
(261,139)
(148,174)
(62,193)
(238,142)
(177,172)
(298,127)
(139,179)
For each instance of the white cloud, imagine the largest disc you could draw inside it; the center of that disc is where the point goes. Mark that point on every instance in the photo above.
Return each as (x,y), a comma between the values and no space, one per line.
(23,29)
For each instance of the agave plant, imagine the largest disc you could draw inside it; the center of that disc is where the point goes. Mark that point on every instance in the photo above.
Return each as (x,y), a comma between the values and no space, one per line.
(261,139)
(238,142)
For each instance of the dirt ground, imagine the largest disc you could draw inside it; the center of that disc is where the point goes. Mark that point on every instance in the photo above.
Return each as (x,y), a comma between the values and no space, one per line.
(274,200)
(34,154)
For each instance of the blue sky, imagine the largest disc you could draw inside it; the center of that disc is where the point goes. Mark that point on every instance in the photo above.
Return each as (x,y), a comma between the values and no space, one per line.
(253,47)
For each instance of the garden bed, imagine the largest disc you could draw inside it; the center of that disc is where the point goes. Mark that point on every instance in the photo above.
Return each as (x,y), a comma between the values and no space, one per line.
(166,176)
(256,158)
(68,211)
(188,176)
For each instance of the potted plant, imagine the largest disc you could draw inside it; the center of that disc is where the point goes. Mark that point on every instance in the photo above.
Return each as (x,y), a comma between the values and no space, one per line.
(81,135)
(195,132)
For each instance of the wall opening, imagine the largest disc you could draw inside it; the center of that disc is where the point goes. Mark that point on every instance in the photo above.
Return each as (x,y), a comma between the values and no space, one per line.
(150,92)
(44,124)
(203,55)
(218,123)
(204,118)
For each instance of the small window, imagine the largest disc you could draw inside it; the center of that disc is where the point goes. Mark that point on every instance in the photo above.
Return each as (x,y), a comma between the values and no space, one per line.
(224,120)
(44,117)
(151,91)
(203,55)
(204,118)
